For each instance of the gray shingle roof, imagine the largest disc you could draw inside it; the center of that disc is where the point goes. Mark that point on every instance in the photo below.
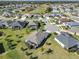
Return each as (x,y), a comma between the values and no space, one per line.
(38,37)
(72,24)
(41,35)
(18,23)
(32,23)
(66,40)
(3,23)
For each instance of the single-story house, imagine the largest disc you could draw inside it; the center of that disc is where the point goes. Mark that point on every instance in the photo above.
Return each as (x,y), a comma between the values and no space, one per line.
(74,30)
(7,14)
(18,25)
(26,15)
(37,15)
(66,40)
(37,39)
(9,22)
(18,16)
(54,15)
(71,24)
(32,25)
(3,24)
(46,16)
(55,11)
(63,20)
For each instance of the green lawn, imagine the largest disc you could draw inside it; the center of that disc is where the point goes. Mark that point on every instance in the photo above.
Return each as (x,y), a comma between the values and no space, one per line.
(57,51)
(76,37)
(40,10)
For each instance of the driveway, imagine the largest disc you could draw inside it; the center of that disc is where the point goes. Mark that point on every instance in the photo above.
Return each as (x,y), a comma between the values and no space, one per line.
(51,27)
(74,30)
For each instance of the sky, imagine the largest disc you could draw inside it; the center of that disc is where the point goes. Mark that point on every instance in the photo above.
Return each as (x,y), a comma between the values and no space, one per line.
(39,0)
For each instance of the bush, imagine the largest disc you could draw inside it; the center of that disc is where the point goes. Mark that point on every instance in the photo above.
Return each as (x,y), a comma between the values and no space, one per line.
(9,40)
(11,45)
(31,57)
(20,36)
(42,49)
(72,50)
(9,35)
(2,33)
(55,33)
(48,43)
(18,41)
(23,48)
(28,53)
(77,51)
(49,51)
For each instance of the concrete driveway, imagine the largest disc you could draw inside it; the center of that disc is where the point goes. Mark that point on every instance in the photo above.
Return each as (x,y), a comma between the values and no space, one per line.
(51,27)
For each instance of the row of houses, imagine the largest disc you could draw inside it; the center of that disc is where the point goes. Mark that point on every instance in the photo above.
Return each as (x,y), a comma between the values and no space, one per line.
(71,24)
(63,38)
(18,24)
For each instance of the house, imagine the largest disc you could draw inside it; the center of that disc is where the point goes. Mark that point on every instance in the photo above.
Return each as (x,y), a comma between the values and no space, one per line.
(66,40)
(63,20)
(54,15)
(37,39)
(27,15)
(55,10)
(7,14)
(46,16)
(3,24)
(71,24)
(18,16)
(9,22)
(18,25)
(2,50)
(74,30)
(32,25)
(37,16)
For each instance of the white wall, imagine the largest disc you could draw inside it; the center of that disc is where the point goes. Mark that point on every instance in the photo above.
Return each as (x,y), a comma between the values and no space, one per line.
(59,42)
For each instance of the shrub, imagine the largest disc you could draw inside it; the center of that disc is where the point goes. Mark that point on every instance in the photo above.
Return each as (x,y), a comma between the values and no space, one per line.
(49,51)
(31,57)
(42,49)
(77,51)
(20,36)
(48,43)
(28,53)
(9,40)
(11,45)
(9,35)
(55,33)
(18,41)
(23,48)
(2,33)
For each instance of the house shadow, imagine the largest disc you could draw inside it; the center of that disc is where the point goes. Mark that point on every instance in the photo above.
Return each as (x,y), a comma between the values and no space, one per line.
(43,42)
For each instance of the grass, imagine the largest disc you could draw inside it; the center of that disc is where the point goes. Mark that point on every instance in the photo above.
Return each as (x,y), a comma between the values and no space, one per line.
(17,53)
(65,28)
(40,10)
(76,37)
